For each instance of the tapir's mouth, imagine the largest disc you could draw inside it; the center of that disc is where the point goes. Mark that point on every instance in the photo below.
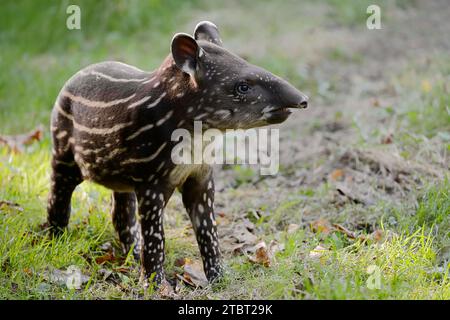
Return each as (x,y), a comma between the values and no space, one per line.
(284,109)
(278,115)
(280,111)
(275,110)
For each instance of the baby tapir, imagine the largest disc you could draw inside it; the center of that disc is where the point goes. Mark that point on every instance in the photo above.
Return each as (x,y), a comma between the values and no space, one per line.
(112,124)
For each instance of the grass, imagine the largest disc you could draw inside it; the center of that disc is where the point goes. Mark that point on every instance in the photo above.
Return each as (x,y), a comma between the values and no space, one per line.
(406,261)
(38,55)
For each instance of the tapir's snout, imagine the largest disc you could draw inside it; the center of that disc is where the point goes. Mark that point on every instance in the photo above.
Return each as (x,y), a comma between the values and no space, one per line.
(291,97)
(302,102)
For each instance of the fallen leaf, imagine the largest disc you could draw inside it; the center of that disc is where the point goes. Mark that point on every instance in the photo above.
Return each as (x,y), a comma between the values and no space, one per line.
(185,280)
(375,102)
(262,255)
(221,214)
(179,262)
(321,226)
(194,274)
(28,271)
(122,269)
(239,238)
(387,139)
(108,257)
(377,235)
(17,143)
(337,174)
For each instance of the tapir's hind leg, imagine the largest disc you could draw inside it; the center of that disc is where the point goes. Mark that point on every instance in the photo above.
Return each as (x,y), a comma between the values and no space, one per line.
(125,222)
(65,177)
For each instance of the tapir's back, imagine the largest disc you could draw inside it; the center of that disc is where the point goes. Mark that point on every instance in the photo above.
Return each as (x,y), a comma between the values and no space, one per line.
(94,115)
(103,87)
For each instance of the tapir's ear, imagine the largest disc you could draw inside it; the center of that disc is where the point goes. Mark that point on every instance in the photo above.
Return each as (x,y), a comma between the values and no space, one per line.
(186,52)
(206,30)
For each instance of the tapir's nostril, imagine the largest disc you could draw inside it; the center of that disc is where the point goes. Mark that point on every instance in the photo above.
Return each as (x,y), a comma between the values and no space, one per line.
(303,104)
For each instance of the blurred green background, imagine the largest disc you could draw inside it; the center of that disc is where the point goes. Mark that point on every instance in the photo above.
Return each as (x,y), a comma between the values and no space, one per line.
(38,53)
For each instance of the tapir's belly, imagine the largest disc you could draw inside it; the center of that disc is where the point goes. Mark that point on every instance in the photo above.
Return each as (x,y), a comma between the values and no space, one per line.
(180,173)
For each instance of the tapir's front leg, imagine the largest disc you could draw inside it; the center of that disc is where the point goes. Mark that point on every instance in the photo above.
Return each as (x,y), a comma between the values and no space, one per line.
(152,200)
(198,198)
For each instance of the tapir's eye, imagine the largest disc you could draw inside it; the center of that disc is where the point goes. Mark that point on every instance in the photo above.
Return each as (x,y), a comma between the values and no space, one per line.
(242,88)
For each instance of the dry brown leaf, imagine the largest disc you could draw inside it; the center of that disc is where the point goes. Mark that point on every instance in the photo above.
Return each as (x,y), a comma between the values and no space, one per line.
(387,139)
(194,274)
(239,238)
(375,102)
(122,269)
(17,143)
(179,262)
(221,214)
(185,280)
(108,257)
(377,235)
(28,271)
(337,174)
(321,226)
(262,255)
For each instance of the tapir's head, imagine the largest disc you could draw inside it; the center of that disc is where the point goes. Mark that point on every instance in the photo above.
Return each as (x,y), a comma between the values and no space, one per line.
(232,92)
